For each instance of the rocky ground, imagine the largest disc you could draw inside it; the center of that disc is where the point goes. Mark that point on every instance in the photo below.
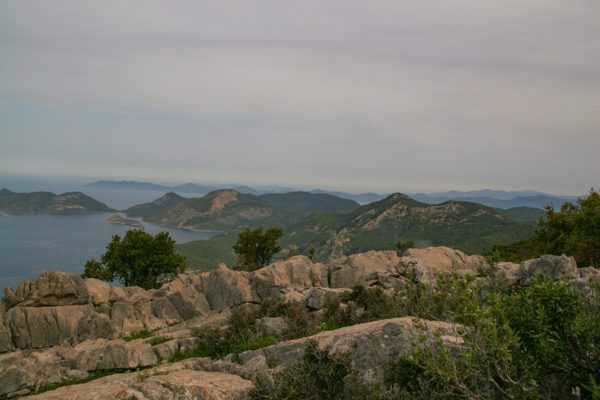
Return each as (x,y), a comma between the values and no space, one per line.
(61,330)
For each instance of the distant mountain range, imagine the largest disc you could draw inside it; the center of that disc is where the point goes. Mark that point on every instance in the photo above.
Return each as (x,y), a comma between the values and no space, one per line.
(491,198)
(47,202)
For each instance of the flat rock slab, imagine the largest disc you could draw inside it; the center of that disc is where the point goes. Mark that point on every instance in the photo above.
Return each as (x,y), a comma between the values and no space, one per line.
(156,384)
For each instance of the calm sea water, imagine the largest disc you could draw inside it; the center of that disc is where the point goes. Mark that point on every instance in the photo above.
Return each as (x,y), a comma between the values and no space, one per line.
(32,243)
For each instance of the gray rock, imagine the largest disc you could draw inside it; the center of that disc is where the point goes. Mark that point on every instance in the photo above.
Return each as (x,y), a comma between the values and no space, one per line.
(189,303)
(446,260)
(318,297)
(41,327)
(553,268)
(164,310)
(102,354)
(271,326)
(50,289)
(294,274)
(99,291)
(173,382)
(224,288)
(366,269)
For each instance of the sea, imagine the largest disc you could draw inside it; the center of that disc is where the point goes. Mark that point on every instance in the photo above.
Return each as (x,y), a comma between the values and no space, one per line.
(30,244)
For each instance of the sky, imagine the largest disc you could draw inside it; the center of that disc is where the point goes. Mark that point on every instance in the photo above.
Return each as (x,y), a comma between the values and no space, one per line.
(342,95)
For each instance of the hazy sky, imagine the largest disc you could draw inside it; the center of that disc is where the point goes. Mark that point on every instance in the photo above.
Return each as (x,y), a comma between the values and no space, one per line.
(356,95)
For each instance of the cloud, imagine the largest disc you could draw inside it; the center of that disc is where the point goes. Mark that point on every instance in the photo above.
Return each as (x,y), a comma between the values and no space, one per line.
(386,95)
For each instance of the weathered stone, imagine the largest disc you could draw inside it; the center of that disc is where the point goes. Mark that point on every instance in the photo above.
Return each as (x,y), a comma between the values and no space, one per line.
(366,269)
(502,275)
(553,268)
(5,335)
(416,271)
(50,289)
(271,326)
(99,291)
(297,273)
(446,260)
(155,384)
(371,344)
(189,303)
(33,327)
(103,354)
(224,288)
(168,349)
(317,298)
(164,310)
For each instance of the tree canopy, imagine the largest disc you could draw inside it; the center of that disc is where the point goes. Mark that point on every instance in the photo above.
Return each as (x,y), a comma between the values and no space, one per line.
(255,248)
(574,230)
(138,259)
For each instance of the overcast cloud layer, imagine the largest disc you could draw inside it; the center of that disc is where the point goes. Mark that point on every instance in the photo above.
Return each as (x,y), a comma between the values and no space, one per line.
(354,95)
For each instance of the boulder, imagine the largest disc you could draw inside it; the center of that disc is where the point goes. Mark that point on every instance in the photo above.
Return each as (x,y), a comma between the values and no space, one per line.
(188,303)
(50,289)
(294,274)
(271,326)
(417,271)
(504,274)
(366,269)
(372,344)
(19,373)
(552,267)
(40,327)
(104,354)
(164,310)
(317,298)
(99,291)
(224,288)
(446,260)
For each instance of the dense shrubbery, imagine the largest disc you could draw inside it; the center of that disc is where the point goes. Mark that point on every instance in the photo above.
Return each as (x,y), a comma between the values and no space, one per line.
(320,375)
(574,230)
(541,341)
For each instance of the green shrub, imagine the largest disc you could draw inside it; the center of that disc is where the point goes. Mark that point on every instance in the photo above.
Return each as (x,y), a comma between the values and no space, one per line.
(320,375)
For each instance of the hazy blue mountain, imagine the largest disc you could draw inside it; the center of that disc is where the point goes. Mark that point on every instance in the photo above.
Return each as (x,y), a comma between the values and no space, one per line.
(503,199)
(362,198)
(127,185)
(523,214)
(194,188)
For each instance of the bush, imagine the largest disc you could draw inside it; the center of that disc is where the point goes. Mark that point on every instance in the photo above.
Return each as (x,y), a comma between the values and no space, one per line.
(320,375)
(533,342)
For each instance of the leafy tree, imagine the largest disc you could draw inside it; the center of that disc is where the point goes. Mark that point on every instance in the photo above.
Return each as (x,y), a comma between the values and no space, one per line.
(255,248)
(139,259)
(574,230)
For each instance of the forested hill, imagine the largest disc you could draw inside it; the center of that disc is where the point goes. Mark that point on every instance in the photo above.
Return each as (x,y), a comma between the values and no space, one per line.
(379,225)
(47,202)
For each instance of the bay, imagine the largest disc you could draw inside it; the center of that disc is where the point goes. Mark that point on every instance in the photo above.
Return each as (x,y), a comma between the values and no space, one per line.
(30,244)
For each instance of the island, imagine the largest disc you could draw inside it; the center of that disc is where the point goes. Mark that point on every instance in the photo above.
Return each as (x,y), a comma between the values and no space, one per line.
(50,203)
(117,219)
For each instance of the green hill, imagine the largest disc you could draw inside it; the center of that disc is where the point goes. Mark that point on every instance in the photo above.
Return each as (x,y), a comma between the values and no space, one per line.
(47,202)
(221,210)
(306,202)
(155,207)
(378,226)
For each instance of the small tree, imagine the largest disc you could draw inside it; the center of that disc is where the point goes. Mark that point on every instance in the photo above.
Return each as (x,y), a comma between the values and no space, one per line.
(402,246)
(255,248)
(138,259)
